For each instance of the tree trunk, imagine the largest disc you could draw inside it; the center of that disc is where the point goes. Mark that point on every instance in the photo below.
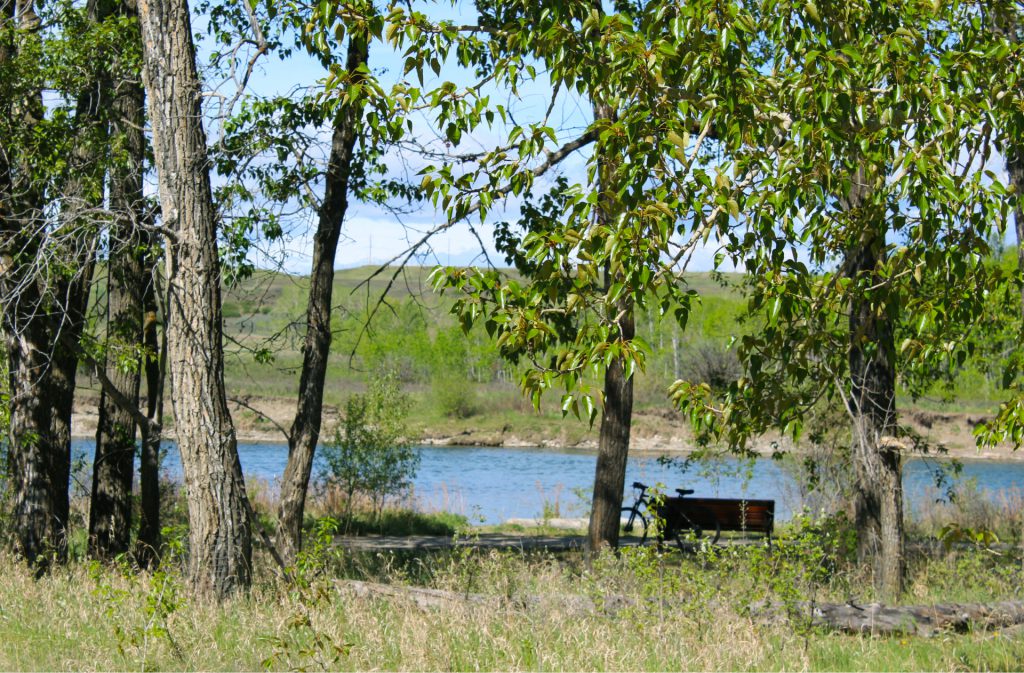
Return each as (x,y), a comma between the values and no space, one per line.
(148,542)
(81,193)
(617,414)
(37,474)
(872,406)
(38,471)
(110,512)
(1015,170)
(305,430)
(65,333)
(613,449)
(220,545)
(876,619)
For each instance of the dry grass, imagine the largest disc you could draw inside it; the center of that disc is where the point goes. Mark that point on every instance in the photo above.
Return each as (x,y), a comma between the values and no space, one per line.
(88,617)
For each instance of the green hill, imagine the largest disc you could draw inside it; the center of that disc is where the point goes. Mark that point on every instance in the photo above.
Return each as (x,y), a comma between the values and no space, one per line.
(462,390)
(457,381)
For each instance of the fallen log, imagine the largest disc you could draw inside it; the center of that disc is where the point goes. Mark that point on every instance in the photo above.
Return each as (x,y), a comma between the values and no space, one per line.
(877,619)
(871,619)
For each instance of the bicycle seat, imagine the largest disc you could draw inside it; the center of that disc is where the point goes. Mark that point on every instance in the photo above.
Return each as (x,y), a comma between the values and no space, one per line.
(684,491)
(637,484)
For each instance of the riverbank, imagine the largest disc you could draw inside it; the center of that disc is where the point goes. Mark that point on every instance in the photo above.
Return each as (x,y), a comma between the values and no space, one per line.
(661,431)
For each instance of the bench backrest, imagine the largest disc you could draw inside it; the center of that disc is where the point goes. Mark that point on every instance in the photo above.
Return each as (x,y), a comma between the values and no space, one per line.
(756,516)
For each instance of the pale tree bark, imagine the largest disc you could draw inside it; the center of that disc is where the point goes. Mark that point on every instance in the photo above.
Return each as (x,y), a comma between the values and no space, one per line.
(305,430)
(617,412)
(878,508)
(110,511)
(38,469)
(220,545)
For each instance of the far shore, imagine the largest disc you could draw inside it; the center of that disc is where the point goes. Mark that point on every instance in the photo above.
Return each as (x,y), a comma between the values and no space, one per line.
(950,431)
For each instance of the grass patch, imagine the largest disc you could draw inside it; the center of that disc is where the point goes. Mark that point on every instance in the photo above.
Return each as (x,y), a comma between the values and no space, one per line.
(402,522)
(683,612)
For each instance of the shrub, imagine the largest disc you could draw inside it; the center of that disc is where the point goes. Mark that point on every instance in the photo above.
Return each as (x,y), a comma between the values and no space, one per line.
(712,363)
(455,396)
(369,452)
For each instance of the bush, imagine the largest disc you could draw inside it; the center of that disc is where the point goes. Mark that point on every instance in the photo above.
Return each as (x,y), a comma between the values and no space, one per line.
(369,452)
(712,363)
(455,397)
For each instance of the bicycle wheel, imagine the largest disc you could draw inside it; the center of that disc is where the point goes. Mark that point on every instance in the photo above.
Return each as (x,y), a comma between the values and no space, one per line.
(633,523)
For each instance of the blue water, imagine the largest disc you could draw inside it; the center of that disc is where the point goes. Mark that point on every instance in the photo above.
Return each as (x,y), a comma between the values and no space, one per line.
(492,484)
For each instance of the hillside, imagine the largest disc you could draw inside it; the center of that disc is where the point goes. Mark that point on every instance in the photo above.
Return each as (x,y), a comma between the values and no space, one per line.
(462,391)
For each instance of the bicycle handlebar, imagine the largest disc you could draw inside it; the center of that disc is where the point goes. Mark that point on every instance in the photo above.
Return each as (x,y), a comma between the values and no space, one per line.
(680,491)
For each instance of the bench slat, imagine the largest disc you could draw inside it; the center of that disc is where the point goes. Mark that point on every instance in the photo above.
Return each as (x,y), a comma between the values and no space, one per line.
(730,514)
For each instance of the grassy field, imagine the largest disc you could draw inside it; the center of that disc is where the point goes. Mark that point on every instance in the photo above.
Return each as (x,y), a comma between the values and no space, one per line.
(639,609)
(675,613)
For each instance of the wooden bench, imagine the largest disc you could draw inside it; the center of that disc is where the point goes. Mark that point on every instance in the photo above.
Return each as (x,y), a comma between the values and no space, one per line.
(711,516)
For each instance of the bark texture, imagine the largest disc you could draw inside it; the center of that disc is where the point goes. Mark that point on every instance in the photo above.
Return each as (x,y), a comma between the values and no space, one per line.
(220,545)
(617,414)
(882,620)
(872,405)
(305,430)
(37,467)
(110,511)
(612,451)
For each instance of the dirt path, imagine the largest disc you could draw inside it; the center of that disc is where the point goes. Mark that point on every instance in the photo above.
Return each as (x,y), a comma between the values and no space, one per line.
(387,543)
(503,541)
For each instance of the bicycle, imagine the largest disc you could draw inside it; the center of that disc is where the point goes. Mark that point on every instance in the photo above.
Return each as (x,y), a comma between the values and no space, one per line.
(674,515)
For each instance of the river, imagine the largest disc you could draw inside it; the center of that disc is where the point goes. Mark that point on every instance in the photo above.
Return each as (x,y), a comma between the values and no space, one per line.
(492,484)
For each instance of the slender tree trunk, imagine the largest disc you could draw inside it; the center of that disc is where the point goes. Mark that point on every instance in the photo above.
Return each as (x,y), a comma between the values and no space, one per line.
(617,414)
(148,543)
(613,448)
(38,471)
(1015,170)
(220,544)
(82,193)
(110,513)
(67,326)
(37,476)
(872,406)
(305,430)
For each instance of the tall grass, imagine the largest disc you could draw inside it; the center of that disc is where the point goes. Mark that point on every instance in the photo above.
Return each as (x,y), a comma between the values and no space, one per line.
(673,612)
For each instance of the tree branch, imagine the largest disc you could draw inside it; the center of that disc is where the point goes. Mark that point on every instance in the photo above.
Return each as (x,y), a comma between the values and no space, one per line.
(552,160)
(120,399)
(243,402)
